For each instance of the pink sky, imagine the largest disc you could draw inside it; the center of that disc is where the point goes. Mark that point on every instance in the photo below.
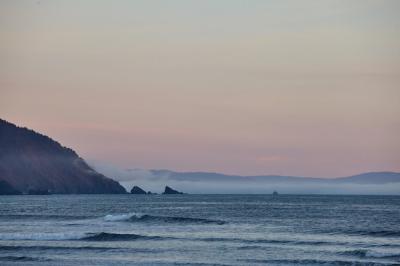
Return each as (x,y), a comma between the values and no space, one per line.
(262,87)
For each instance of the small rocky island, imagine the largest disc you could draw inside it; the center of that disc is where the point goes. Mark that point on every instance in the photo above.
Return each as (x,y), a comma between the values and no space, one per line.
(169,191)
(138,191)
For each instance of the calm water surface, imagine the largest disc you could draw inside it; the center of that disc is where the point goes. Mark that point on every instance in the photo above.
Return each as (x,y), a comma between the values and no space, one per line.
(199,230)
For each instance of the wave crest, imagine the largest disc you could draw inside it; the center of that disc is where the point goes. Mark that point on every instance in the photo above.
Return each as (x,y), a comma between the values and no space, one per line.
(77,236)
(145,218)
(117,237)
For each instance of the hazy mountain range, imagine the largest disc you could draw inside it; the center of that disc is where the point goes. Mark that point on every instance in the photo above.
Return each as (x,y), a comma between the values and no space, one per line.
(206,182)
(365,178)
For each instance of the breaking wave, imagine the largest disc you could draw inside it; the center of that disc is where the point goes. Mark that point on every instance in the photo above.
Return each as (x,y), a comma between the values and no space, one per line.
(145,218)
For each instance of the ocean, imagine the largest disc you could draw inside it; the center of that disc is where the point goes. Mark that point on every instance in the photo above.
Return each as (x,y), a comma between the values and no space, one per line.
(199,230)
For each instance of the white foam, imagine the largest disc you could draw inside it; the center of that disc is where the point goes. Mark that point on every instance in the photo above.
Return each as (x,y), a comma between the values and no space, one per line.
(120,217)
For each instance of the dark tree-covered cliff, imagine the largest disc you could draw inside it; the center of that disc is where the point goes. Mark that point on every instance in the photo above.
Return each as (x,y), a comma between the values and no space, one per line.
(32,161)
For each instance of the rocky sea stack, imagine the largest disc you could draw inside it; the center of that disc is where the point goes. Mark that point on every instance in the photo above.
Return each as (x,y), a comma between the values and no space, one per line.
(169,190)
(32,162)
(138,190)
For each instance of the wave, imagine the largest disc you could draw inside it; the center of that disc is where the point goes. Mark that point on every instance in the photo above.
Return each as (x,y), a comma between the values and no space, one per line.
(267,241)
(145,218)
(315,262)
(118,217)
(117,237)
(78,236)
(18,258)
(365,253)
(361,232)
(378,233)
(43,217)
(40,248)
(294,242)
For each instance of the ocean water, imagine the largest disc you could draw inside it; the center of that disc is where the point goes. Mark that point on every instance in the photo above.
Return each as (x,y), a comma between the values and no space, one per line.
(199,230)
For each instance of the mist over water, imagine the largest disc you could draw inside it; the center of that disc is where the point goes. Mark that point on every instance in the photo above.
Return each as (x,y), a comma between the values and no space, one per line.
(265,187)
(155,182)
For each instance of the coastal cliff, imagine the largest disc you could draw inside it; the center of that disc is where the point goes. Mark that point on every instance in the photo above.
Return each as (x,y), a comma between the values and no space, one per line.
(30,161)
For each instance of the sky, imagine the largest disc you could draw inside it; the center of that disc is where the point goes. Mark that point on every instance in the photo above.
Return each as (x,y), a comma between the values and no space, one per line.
(306,88)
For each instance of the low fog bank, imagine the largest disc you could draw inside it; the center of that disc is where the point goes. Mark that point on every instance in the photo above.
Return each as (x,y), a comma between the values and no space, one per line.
(265,187)
(156,181)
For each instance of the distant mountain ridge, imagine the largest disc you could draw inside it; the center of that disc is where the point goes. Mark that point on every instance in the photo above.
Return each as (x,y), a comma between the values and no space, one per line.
(32,161)
(364,178)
